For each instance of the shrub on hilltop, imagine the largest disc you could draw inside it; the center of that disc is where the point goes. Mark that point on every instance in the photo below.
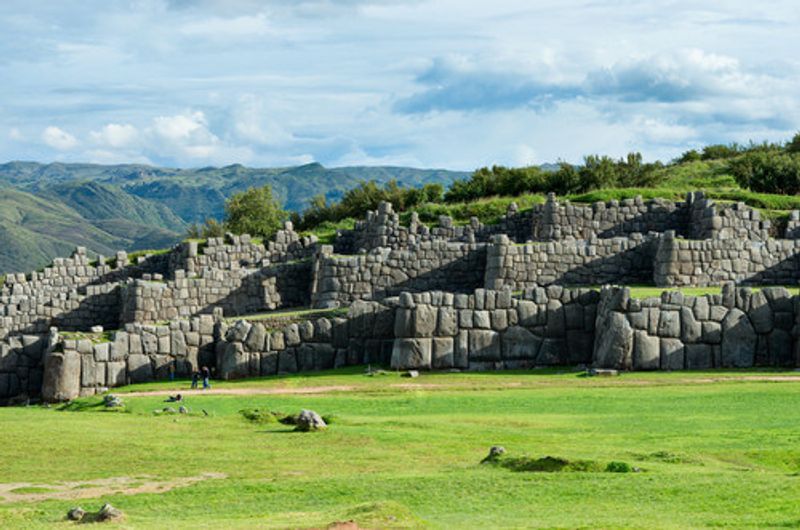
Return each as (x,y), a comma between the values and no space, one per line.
(767,172)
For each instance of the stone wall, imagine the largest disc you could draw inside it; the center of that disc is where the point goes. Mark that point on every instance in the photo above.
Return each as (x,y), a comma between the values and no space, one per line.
(608,219)
(21,365)
(382,229)
(430,265)
(739,328)
(485,330)
(710,220)
(235,252)
(570,262)
(84,366)
(73,293)
(251,349)
(237,291)
(713,261)
(491,330)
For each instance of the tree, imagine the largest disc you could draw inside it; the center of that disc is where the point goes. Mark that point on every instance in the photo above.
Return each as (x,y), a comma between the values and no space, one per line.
(794,145)
(211,228)
(255,212)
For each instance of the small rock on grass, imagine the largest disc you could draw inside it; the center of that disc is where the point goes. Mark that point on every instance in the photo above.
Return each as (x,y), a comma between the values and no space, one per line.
(411,373)
(308,421)
(603,372)
(76,514)
(494,453)
(109,513)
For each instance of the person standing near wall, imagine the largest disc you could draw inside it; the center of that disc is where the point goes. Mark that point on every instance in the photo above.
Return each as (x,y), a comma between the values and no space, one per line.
(206,376)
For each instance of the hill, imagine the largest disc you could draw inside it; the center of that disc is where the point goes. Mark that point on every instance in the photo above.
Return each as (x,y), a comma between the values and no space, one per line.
(51,208)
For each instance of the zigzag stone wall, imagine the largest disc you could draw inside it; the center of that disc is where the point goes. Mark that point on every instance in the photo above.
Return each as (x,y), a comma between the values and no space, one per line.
(239,276)
(680,262)
(609,219)
(570,262)
(340,280)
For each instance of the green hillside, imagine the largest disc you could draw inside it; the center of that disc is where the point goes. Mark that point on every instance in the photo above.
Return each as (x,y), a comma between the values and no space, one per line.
(35,229)
(51,208)
(197,194)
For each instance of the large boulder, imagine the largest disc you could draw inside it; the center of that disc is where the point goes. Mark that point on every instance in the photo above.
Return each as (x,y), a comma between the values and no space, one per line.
(239,331)
(484,345)
(614,343)
(646,351)
(672,354)
(410,354)
(232,361)
(62,376)
(761,313)
(519,343)
(140,369)
(738,340)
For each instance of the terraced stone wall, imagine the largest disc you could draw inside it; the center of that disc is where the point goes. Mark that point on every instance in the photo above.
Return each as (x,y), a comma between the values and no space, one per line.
(570,262)
(739,328)
(431,265)
(236,291)
(680,262)
(73,293)
(91,364)
(608,219)
(250,349)
(382,229)
(712,220)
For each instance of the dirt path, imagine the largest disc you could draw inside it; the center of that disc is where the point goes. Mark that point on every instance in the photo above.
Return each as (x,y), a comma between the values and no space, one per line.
(234,391)
(612,381)
(87,489)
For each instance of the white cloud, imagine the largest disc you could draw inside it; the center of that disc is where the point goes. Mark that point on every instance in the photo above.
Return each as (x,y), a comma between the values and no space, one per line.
(116,135)
(15,134)
(271,82)
(59,139)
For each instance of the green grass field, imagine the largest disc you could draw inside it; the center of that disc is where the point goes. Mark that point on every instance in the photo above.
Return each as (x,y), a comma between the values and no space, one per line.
(714,449)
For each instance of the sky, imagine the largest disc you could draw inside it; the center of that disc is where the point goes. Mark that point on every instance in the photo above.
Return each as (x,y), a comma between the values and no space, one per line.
(454,84)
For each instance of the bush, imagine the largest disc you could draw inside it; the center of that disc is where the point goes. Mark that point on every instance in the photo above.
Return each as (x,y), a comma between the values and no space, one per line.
(366,196)
(719,151)
(618,467)
(597,172)
(768,172)
(255,212)
(689,156)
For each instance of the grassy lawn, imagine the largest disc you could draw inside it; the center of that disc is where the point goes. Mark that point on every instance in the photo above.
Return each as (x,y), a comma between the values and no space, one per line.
(714,450)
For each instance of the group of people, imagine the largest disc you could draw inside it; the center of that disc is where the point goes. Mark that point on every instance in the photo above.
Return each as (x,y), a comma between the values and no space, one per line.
(205,374)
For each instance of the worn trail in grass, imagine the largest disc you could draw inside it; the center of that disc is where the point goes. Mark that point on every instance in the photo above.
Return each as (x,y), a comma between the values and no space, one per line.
(714,450)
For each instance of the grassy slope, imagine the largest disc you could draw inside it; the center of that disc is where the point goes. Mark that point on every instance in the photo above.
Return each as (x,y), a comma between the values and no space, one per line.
(35,229)
(195,194)
(721,454)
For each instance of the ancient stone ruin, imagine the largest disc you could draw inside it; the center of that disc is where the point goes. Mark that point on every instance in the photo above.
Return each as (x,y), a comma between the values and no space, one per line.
(517,294)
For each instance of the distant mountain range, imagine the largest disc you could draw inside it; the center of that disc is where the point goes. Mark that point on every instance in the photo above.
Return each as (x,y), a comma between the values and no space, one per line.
(48,209)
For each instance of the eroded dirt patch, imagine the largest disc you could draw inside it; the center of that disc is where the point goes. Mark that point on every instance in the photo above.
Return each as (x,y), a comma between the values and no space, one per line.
(86,489)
